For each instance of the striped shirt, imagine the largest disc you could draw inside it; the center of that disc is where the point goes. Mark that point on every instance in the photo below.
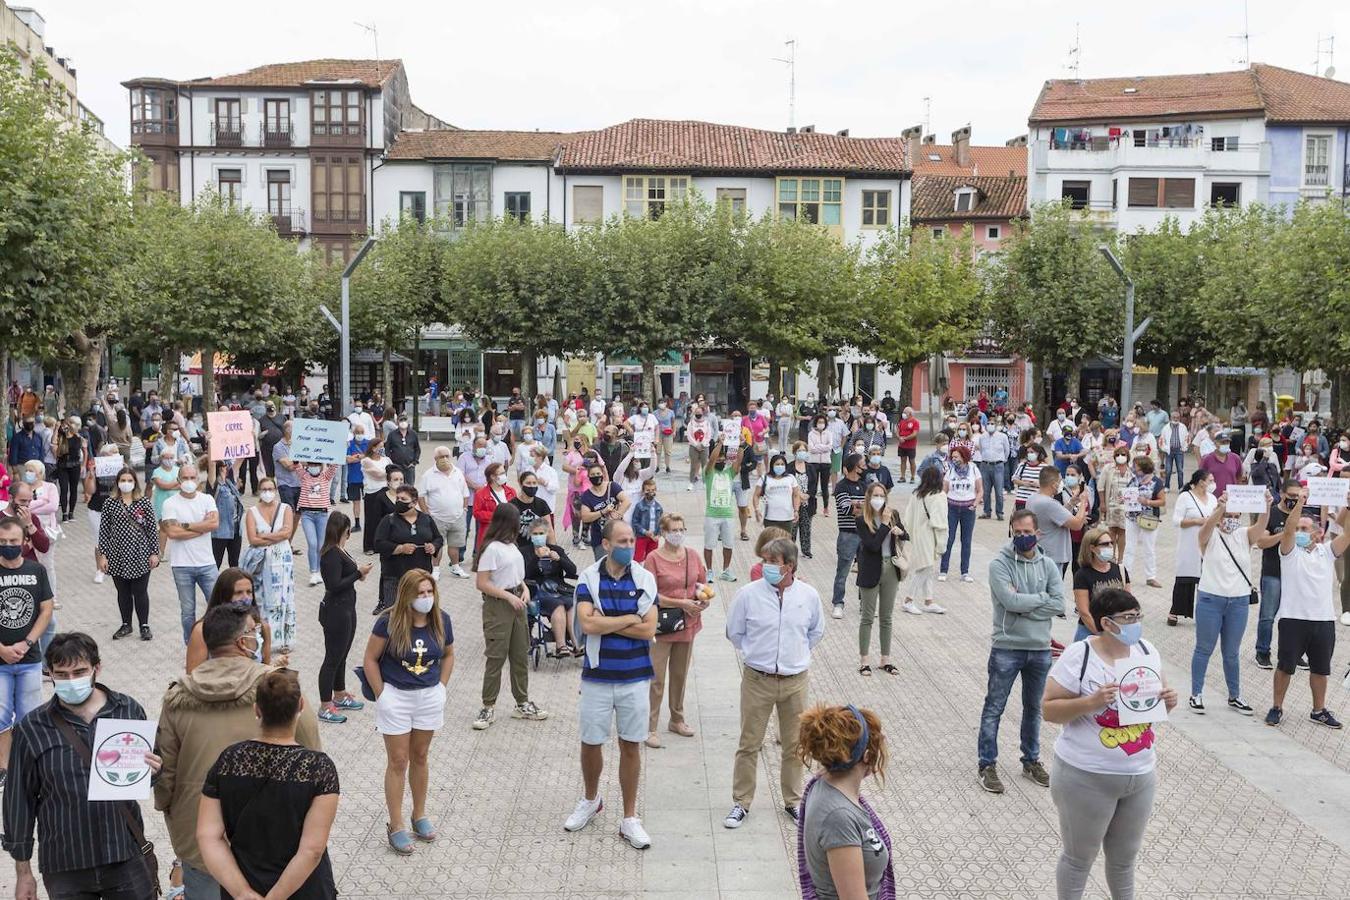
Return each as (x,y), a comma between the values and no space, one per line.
(48,784)
(845,492)
(1028,471)
(622,659)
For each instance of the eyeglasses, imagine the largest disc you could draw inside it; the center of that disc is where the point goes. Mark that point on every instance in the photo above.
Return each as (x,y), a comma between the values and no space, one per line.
(1128,618)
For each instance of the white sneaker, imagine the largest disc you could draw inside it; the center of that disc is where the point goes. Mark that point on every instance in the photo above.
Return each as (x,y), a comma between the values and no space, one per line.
(968,579)
(436,573)
(582,815)
(837,612)
(942,576)
(315,578)
(456,571)
(736,818)
(909,607)
(631,830)
(689,486)
(1345,617)
(98,579)
(934,608)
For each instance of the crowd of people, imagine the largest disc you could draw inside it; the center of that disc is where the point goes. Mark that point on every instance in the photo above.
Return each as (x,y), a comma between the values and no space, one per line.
(248,795)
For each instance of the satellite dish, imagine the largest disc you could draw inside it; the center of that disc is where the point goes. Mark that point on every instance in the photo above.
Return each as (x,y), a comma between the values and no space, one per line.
(1330,72)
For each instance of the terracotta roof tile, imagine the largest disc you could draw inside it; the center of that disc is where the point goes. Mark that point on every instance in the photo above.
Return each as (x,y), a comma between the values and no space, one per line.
(688,146)
(368,72)
(994,161)
(467,144)
(1295,97)
(934,198)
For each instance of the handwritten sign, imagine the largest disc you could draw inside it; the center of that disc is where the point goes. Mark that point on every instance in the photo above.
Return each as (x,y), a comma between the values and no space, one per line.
(642,444)
(107,466)
(1140,699)
(698,434)
(1327,491)
(1247,498)
(231,435)
(731,436)
(1130,497)
(319,440)
(119,770)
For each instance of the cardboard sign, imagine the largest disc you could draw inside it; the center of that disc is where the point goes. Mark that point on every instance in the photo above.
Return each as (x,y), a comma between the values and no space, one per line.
(1247,498)
(1327,491)
(698,434)
(107,466)
(119,770)
(1140,699)
(231,435)
(318,440)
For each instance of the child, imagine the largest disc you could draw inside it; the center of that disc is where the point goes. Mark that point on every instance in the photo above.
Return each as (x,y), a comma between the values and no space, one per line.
(647,514)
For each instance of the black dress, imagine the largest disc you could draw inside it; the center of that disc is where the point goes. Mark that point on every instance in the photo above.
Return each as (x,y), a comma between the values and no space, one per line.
(265,791)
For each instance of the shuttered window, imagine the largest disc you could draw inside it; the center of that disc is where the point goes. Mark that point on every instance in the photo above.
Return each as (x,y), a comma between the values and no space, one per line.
(1179,193)
(1171,193)
(1143,192)
(588,204)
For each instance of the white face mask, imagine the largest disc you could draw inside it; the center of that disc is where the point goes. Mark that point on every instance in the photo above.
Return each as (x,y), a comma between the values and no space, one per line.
(126,487)
(675,538)
(188,487)
(877,502)
(267,496)
(501,479)
(424,604)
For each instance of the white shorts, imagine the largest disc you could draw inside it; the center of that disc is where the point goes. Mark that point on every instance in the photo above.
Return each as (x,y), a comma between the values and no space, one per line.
(717,529)
(741,494)
(400,710)
(629,704)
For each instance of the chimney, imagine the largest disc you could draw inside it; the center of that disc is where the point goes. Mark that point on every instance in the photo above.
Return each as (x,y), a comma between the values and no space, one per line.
(1019,141)
(911,138)
(843,132)
(930,139)
(807,129)
(791,130)
(961,146)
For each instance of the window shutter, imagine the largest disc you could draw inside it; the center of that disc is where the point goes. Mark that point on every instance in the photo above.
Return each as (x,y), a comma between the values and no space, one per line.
(1144,192)
(587,203)
(1179,193)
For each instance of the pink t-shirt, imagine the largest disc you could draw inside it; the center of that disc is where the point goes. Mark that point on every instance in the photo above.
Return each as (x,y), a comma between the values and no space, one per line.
(759,426)
(678,579)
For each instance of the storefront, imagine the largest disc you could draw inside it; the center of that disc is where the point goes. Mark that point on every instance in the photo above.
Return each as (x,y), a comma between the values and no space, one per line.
(722,377)
(623,375)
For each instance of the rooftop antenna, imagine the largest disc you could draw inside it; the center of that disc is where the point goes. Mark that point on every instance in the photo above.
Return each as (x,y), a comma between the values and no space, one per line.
(791,61)
(1075,54)
(927,115)
(1326,46)
(375,36)
(1245,37)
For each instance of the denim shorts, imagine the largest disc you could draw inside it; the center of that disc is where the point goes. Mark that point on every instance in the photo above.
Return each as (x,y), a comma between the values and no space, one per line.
(628,704)
(20,692)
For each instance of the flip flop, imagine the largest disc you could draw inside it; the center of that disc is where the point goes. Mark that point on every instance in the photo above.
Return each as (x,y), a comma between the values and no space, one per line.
(865,670)
(890,669)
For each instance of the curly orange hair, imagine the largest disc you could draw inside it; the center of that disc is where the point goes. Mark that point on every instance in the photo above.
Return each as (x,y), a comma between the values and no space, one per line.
(828,733)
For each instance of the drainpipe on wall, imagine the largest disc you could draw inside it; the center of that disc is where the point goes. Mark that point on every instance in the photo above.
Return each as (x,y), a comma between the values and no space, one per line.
(192,159)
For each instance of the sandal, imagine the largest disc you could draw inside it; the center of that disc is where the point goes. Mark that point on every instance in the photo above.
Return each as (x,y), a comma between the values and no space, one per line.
(1172,620)
(865,670)
(401,841)
(890,669)
(423,830)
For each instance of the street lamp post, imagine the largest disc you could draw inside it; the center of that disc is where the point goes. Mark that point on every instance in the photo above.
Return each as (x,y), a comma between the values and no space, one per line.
(1132,334)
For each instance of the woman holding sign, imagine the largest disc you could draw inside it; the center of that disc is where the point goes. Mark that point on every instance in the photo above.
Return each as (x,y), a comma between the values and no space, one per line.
(1106,691)
(269,526)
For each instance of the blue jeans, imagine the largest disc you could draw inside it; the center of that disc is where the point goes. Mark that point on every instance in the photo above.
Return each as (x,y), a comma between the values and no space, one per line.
(846,549)
(1270,605)
(313,521)
(20,692)
(1004,667)
(964,518)
(992,473)
(290,496)
(1219,620)
(186,579)
(197,883)
(1008,468)
(1176,462)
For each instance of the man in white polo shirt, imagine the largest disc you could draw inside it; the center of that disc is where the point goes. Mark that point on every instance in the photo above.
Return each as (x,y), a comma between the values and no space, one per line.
(188,520)
(444,495)
(1307,615)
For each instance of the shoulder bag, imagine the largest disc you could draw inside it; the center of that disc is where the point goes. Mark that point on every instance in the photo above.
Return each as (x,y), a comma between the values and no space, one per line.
(900,548)
(137,833)
(1147,520)
(1253,598)
(670,619)
(253,558)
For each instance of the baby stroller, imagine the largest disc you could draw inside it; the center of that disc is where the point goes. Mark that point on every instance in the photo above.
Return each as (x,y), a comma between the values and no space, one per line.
(546,594)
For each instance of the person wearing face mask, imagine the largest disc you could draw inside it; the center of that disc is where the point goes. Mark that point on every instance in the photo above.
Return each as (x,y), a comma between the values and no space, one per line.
(1141,525)
(1192,509)
(28,606)
(532,507)
(337,617)
(1098,570)
(683,593)
(407,540)
(878,473)
(964,488)
(782,498)
(1287,493)
(26,444)
(907,443)
(357,445)
(50,784)
(188,519)
(374,484)
(444,495)
(699,432)
(645,517)
(202,713)
(494,492)
(880,534)
(96,491)
(164,481)
(1224,465)
(1225,591)
(800,470)
(1103,789)
(316,491)
(403,448)
(821,445)
(774,623)
(127,548)
(267,527)
(1112,482)
(548,570)
(806,413)
(221,487)
(1058,517)
(938,458)
(234,586)
(843,847)
(1307,610)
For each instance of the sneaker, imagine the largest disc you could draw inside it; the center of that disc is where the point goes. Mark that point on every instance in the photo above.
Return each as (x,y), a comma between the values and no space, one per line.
(1345,616)
(910,608)
(528,710)
(989,780)
(348,703)
(98,578)
(331,715)
(631,830)
(1303,664)
(1153,582)
(436,574)
(484,719)
(1036,772)
(145,633)
(790,812)
(315,578)
(1238,705)
(356,529)
(934,608)
(1197,704)
(584,812)
(727,576)
(736,818)
(458,572)
(968,578)
(1324,717)
(942,576)
(4,776)
(1263,660)
(689,486)
(838,611)
(1275,716)
(121,632)
(653,740)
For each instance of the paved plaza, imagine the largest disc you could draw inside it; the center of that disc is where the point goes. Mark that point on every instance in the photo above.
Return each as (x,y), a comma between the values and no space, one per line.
(1243,810)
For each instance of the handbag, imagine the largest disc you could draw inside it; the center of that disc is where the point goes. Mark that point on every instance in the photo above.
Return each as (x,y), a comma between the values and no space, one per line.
(137,833)
(1253,598)
(254,558)
(900,550)
(669,619)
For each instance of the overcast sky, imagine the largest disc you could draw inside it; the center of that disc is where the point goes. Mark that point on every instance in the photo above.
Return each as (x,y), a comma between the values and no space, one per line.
(865,65)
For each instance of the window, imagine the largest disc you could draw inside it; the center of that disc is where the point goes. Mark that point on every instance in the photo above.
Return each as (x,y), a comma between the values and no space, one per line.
(819,201)
(734,197)
(1317,149)
(336,251)
(463,194)
(277,122)
(1115,192)
(158,173)
(989,379)
(993,232)
(1223,193)
(336,112)
(1076,192)
(938,231)
(963,200)
(1140,137)
(227,115)
(1169,193)
(518,205)
(647,195)
(588,204)
(279,192)
(412,204)
(876,209)
(153,111)
(338,189)
(229,184)
(1223,144)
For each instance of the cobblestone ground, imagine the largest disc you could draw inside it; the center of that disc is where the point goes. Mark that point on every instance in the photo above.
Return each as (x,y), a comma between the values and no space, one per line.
(1242,810)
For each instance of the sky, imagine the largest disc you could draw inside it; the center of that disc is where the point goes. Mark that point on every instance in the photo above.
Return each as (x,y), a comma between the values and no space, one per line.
(865,65)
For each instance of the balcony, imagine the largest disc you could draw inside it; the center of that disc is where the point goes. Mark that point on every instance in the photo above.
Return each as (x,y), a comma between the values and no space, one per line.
(227,133)
(1316,176)
(350,135)
(1104,155)
(288,221)
(278,134)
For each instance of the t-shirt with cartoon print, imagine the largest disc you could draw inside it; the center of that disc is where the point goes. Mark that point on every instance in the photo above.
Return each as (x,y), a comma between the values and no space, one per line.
(1097,742)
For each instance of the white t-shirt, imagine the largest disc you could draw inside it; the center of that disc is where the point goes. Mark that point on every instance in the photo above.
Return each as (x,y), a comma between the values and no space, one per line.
(188,511)
(961,489)
(1308,589)
(445,492)
(1096,742)
(778,497)
(504,562)
(1218,575)
(597,408)
(548,484)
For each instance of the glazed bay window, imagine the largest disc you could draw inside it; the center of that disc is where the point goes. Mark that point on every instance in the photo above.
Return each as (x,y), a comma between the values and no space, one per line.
(876,209)
(335,112)
(647,196)
(412,204)
(153,111)
(819,201)
(337,189)
(463,194)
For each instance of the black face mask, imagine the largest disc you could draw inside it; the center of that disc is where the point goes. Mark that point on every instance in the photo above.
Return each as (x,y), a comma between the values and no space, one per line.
(27,426)
(720,465)
(402,506)
(597,480)
(529,491)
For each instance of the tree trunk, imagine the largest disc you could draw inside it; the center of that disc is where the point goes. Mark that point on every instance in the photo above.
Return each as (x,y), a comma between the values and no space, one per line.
(825,378)
(1207,390)
(168,365)
(1073,385)
(1036,395)
(208,380)
(649,382)
(4,402)
(775,378)
(904,397)
(1340,397)
(387,378)
(137,375)
(529,377)
(1164,379)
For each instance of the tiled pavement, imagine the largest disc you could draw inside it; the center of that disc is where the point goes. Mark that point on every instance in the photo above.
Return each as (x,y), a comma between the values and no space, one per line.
(1242,810)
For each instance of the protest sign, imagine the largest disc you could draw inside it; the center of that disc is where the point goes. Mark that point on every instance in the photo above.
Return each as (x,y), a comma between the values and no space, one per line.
(1247,498)
(642,444)
(1140,698)
(231,435)
(107,466)
(318,440)
(1130,496)
(1327,491)
(119,770)
(731,436)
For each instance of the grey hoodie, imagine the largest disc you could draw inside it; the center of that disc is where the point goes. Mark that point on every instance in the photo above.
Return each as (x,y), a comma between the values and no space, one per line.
(1027,594)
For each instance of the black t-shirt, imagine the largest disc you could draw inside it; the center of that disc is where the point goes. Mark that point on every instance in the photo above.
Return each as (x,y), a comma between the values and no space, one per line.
(530,512)
(22,591)
(1089,579)
(590,500)
(1270,557)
